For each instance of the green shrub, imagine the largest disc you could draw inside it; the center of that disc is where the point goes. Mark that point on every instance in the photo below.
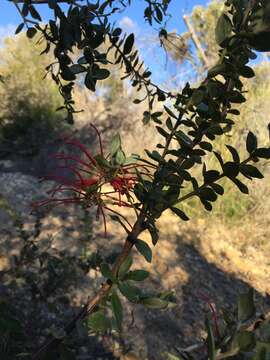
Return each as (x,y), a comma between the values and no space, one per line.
(28,100)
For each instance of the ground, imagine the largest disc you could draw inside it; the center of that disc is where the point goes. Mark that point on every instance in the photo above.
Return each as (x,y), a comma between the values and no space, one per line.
(202,256)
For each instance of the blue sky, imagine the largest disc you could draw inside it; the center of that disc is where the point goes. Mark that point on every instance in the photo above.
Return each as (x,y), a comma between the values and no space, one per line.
(132,21)
(9,15)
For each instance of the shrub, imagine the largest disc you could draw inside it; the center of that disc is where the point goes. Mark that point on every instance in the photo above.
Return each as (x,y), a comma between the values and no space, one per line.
(28,101)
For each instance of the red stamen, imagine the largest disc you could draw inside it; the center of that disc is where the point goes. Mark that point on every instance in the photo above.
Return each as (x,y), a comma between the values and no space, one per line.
(82,148)
(99,138)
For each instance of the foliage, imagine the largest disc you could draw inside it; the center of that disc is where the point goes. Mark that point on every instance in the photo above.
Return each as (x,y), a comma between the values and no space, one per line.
(189,123)
(28,101)
(204,21)
(238,334)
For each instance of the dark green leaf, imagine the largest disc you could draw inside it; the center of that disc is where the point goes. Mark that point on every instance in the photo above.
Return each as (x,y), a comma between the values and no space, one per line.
(251,143)
(210,176)
(89,82)
(128,44)
(246,72)
(162,132)
(216,70)
(180,213)
(223,28)
(231,169)
(154,303)
(169,111)
(117,309)
(218,188)
(106,272)
(101,74)
(242,187)
(31,32)
(98,322)
(132,293)
(77,69)
(250,171)
(115,144)
(207,194)
(144,249)
(210,341)
(206,145)
(234,153)
(137,275)
(19,28)
(263,153)
(218,156)
(34,13)
(246,307)
(246,340)
(120,157)
(125,266)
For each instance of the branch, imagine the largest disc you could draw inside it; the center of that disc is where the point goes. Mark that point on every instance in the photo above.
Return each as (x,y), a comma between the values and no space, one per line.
(90,306)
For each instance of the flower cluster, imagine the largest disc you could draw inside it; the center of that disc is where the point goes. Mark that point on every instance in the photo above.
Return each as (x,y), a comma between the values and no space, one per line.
(97,181)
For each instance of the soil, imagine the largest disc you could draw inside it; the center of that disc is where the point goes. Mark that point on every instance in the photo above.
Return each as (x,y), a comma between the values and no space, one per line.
(191,259)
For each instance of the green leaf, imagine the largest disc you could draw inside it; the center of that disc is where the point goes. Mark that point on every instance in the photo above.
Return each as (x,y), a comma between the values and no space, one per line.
(242,187)
(197,97)
(218,188)
(101,74)
(246,340)
(98,321)
(154,155)
(223,29)
(34,13)
(19,28)
(251,143)
(206,145)
(154,303)
(117,309)
(211,176)
(153,233)
(216,70)
(263,153)
(169,111)
(125,266)
(128,44)
(89,82)
(102,161)
(246,307)
(77,69)
(210,341)
(31,32)
(246,72)
(137,275)
(250,171)
(162,132)
(231,169)
(180,213)
(144,249)
(132,293)
(106,272)
(120,157)
(234,153)
(115,144)
(207,194)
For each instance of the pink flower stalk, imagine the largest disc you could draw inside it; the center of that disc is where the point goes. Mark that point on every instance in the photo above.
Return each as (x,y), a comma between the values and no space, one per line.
(213,310)
(91,179)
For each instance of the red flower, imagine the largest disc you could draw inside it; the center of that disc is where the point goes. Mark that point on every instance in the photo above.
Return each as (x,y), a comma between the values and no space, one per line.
(96,180)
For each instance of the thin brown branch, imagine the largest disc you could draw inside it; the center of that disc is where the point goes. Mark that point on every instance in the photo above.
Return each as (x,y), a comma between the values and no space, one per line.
(90,306)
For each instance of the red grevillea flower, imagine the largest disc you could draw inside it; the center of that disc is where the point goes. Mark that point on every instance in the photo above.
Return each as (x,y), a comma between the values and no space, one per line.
(92,181)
